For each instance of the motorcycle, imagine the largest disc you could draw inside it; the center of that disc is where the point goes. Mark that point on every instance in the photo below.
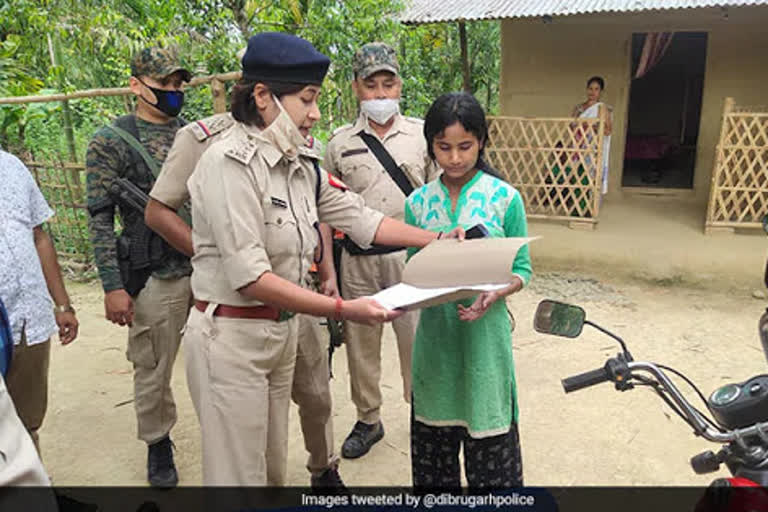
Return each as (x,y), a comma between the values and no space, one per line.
(737,419)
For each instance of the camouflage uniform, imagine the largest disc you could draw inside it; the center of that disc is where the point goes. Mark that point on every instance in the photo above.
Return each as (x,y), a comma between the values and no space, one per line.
(106,160)
(163,304)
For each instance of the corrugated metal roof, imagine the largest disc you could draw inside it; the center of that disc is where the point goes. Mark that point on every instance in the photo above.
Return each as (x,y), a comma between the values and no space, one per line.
(431,11)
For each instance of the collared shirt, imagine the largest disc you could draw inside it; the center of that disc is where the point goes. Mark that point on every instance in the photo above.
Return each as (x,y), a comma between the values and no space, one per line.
(189,145)
(349,159)
(22,284)
(254,210)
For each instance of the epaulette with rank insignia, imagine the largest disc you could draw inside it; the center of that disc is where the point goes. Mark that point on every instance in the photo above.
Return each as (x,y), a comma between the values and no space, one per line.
(243,150)
(210,126)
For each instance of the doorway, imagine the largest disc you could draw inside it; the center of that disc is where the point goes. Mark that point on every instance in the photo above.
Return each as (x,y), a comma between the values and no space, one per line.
(664,109)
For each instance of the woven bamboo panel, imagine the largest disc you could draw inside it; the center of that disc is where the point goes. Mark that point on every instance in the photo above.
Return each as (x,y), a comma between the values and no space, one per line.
(556,164)
(739,193)
(63,186)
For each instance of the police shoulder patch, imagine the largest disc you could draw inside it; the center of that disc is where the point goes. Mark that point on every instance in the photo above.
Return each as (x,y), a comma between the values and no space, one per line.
(242,149)
(336,182)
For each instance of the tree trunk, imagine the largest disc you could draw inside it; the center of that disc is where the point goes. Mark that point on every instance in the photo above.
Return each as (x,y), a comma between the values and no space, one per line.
(464,56)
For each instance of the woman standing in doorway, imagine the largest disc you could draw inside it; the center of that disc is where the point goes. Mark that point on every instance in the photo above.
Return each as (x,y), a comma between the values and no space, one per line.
(591,109)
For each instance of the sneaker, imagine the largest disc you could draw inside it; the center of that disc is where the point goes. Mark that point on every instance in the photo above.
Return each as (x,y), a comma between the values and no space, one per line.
(329,478)
(360,440)
(161,472)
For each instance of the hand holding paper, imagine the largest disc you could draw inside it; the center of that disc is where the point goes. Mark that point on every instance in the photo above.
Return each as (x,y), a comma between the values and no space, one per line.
(449,270)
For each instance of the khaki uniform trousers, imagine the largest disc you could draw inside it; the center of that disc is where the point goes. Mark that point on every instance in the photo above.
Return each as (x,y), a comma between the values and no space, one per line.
(27,383)
(362,276)
(161,310)
(240,374)
(311,391)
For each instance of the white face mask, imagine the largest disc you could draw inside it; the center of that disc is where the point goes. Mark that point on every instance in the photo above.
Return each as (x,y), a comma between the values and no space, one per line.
(284,133)
(380,111)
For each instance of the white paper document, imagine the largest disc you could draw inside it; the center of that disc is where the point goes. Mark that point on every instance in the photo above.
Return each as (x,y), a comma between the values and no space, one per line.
(449,270)
(406,296)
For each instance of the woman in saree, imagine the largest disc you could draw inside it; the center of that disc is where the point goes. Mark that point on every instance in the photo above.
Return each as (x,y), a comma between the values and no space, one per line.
(591,109)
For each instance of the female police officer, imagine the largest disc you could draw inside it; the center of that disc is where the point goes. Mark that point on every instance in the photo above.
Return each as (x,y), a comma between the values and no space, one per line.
(257,197)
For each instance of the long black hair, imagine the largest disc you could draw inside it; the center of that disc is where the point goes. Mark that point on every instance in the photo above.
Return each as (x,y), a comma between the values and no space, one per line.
(463,108)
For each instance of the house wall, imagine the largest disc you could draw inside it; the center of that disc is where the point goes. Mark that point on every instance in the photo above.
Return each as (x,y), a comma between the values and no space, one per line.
(545,65)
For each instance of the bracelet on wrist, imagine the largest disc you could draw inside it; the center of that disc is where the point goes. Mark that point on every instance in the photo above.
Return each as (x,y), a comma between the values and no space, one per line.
(63,308)
(337,310)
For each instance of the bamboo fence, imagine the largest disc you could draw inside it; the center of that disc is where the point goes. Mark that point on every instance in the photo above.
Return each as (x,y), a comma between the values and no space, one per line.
(62,186)
(739,189)
(63,183)
(555,163)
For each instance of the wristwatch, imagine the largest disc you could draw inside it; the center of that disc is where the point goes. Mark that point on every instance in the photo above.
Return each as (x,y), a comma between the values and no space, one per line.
(64,308)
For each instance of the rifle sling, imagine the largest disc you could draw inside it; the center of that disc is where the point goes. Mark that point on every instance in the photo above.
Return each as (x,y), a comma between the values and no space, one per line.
(137,146)
(385,159)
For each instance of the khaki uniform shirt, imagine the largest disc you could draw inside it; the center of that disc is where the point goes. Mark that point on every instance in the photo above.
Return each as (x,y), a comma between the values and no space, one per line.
(188,146)
(348,158)
(254,211)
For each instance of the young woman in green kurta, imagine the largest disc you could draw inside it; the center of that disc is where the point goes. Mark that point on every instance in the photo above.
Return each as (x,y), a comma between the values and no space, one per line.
(463,371)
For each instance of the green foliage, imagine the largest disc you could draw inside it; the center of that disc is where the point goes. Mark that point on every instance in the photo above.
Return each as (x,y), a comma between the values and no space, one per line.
(49,46)
(53,46)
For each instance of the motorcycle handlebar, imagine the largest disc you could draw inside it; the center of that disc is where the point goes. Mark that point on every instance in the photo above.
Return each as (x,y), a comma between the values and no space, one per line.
(584,380)
(758,430)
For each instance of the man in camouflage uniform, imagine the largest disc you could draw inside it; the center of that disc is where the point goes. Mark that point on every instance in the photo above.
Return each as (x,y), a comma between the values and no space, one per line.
(311,387)
(158,312)
(377,86)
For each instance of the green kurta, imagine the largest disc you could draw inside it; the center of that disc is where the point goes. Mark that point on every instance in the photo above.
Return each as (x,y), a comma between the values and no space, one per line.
(463,372)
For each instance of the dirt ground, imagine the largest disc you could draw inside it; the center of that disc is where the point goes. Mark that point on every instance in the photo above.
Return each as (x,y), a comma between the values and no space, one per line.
(594,437)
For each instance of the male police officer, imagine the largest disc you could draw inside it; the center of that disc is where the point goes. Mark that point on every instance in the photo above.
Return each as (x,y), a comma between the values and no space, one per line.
(155,309)
(311,387)
(383,157)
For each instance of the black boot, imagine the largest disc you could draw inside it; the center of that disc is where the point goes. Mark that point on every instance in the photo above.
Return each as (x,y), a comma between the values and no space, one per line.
(360,440)
(161,472)
(329,479)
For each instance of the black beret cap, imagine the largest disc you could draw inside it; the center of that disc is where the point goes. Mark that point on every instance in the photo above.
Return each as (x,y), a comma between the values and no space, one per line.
(281,57)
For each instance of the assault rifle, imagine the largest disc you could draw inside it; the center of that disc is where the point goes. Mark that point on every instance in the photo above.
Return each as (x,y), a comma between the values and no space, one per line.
(139,249)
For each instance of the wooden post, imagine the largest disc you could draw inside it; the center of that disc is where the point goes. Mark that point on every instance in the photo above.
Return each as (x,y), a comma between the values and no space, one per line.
(219,93)
(464,56)
(600,164)
(728,106)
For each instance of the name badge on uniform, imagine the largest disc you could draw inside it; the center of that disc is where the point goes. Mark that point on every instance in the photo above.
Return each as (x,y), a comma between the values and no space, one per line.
(353,152)
(279,202)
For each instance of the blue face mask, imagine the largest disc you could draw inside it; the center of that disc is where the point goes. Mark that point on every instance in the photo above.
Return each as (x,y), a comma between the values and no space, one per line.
(168,102)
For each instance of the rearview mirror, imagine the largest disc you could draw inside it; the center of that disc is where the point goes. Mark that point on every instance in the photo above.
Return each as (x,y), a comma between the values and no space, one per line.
(559,319)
